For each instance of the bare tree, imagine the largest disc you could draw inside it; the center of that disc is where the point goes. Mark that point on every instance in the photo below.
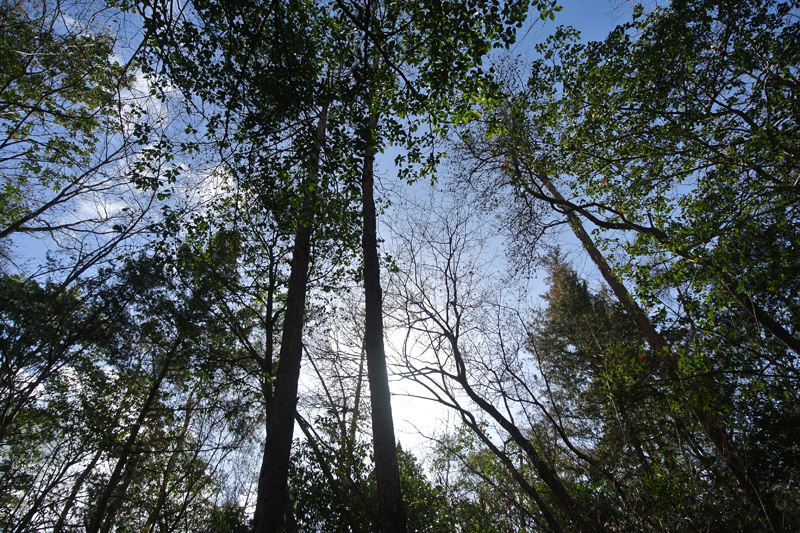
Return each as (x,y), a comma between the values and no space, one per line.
(470,340)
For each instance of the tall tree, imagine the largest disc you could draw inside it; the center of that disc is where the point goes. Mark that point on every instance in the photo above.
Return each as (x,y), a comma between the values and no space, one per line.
(273,497)
(387,473)
(382,86)
(272,77)
(471,341)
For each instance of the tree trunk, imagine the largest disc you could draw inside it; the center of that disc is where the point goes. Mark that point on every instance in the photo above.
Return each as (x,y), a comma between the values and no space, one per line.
(351,437)
(573,509)
(516,475)
(387,474)
(333,483)
(73,495)
(119,497)
(163,490)
(273,493)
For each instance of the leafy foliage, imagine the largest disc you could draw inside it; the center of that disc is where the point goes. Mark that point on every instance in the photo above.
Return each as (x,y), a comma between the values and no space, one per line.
(666,138)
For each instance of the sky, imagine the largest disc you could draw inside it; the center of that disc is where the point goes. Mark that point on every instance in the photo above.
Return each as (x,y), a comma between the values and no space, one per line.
(594,18)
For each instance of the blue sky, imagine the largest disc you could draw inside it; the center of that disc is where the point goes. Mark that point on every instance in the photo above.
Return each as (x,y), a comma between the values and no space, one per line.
(593,18)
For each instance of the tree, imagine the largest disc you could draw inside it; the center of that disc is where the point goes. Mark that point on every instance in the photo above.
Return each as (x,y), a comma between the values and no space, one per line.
(129,423)
(473,360)
(400,37)
(264,163)
(610,397)
(723,129)
(325,500)
(375,65)
(46,333)
(171,346)
(280,422)
(82,163)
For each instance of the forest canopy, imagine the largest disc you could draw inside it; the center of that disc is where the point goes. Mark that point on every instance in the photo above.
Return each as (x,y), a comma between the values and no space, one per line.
(230,232)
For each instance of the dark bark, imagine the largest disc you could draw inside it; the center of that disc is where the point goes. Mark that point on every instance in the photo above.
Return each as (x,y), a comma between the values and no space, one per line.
(271,319)
(73,495)
(119,496)
(572,508)
(163,490)
(516,475)
(390,499)
(573,210)
(273,493)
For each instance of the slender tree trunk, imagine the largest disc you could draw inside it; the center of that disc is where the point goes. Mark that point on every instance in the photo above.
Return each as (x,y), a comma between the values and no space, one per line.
(572,508)
(273,493)
(163,490)
(119,496)
(351,437)
(712,426)
(24,523)
(387,471)
(390,499)
(529,489)
(269,356)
